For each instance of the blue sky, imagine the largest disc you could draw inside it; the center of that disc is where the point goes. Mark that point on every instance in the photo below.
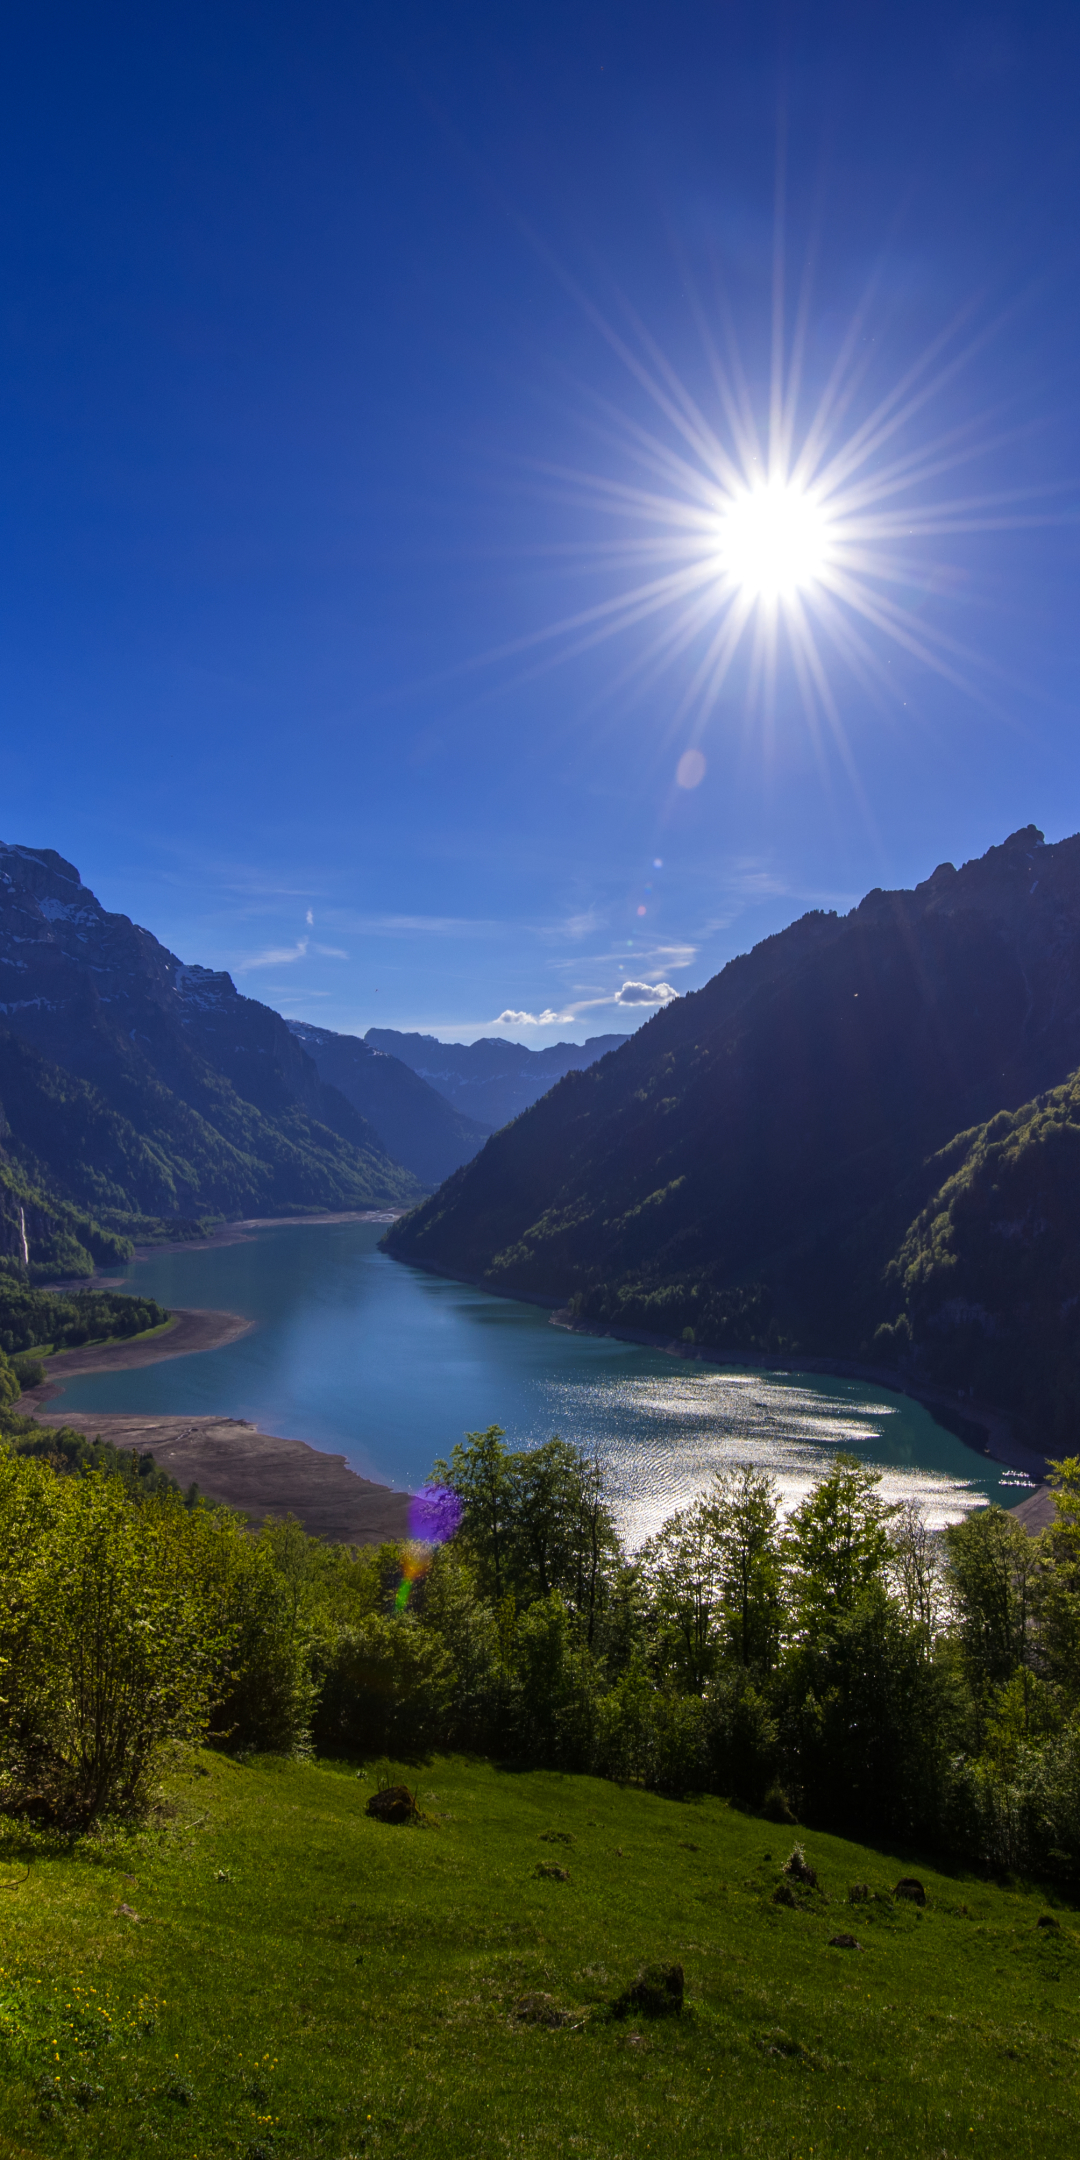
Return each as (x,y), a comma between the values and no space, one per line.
(338,346)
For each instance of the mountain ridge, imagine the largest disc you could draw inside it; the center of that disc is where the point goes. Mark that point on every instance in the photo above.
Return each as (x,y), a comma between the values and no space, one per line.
(492,1079)
(417,1124)
(200,1100)
(749,1163)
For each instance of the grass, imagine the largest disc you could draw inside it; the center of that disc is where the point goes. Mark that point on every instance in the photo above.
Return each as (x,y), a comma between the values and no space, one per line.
(291,1978)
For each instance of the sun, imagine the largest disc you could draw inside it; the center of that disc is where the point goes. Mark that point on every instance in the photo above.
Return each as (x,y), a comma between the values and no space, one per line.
(774,541)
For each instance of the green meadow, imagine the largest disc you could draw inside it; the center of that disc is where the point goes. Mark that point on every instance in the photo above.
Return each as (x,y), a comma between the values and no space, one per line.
(266,1971)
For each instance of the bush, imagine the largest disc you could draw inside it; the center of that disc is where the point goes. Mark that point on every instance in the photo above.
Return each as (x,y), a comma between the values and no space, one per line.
(386,1690)
(108,1649)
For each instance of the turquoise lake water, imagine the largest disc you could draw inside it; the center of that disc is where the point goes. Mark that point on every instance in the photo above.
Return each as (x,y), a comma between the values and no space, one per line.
(389,1366)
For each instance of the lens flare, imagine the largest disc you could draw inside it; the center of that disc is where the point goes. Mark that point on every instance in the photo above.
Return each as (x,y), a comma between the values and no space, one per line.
(434,1516)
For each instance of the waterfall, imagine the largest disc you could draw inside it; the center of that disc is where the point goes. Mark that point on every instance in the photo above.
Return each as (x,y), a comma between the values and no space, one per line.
(25,1246)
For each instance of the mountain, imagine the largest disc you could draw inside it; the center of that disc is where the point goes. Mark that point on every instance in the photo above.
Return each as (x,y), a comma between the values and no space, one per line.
(134,1087)
(492,1080)
(987,1280)
(752,1165)
(416,1124)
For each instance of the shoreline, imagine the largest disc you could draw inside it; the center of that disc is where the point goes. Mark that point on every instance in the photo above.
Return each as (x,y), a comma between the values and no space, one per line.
(985,1430)
(190,1328)
(240,1232)
(263,1473)
(260,1474)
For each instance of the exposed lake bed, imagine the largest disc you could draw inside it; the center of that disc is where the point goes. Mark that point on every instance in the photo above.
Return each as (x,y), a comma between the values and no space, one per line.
(388,1366)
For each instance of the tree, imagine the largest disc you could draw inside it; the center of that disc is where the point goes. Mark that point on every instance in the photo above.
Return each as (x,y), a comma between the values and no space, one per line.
(993,1567)
(917,1572)
(1060,1581)
(480,1473)
(866,1719)
(740,1513)
(534,1521)
(561,1536)
(683,1575)
(837,1545)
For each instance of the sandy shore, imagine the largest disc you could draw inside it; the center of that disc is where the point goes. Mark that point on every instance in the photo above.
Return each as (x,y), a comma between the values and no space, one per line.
(189,1330)
(230,1460)
(257,1472)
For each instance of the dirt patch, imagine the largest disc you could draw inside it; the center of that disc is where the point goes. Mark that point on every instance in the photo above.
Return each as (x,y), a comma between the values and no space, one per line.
(256,1472)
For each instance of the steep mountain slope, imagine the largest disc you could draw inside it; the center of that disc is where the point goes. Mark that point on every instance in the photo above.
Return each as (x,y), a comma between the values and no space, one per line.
(986,1284)
(416,1124)
(755,1154)
(492,1080)
(156,1089)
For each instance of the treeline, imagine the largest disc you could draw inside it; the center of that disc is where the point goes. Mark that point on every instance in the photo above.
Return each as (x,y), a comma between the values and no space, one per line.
(848,1668)
(696,1309)
(39,1321)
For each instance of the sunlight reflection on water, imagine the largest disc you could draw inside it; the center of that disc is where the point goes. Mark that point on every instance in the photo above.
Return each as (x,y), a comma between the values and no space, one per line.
(661,1441)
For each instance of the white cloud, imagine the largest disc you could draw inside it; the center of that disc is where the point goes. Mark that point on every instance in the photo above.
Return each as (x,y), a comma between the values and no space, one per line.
(527,1019)
(639,993)
(275,956)
(330,952)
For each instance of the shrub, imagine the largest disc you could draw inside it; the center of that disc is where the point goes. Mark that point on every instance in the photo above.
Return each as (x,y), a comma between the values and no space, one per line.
(108,1647)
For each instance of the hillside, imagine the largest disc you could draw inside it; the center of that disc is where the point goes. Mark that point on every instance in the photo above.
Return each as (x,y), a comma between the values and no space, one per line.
(492,1079)
(417,1125)
(986,1284)
(135,1088)
(749,1163)
(268,1971)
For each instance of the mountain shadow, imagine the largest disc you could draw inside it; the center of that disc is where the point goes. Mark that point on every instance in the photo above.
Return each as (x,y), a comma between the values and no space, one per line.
(751,1167)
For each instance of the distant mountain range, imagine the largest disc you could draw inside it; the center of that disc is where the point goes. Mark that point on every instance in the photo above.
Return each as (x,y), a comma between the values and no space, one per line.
(135,1089)
(140,1095)
(491,1080)
(843,1144)
(416,1123)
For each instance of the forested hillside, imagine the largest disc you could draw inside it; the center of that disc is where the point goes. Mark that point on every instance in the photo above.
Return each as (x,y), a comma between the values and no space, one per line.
(749,1166)
(135,1090)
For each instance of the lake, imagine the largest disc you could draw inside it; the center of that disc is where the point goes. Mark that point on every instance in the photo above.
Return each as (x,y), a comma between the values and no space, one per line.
(389,1366)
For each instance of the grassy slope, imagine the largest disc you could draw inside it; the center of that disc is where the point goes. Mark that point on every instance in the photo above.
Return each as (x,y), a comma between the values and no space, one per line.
(320,1984)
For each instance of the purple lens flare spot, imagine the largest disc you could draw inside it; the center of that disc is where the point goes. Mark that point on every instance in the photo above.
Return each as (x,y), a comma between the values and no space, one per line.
(434,1514)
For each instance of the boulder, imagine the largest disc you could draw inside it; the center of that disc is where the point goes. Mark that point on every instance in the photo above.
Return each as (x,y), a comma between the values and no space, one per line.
(910,1887)
(548,1870)
(844,1942)
(394,1804)
(657,1992)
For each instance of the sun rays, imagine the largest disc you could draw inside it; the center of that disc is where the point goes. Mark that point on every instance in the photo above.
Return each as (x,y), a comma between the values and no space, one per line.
(785,521)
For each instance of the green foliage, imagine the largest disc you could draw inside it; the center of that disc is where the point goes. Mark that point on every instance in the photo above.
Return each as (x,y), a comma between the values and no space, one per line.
(106,1647)
(838,1546)
(70,1452)
(535,1523)
(988,1276)
(65,1320)
(859,1669)
(694,1309)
